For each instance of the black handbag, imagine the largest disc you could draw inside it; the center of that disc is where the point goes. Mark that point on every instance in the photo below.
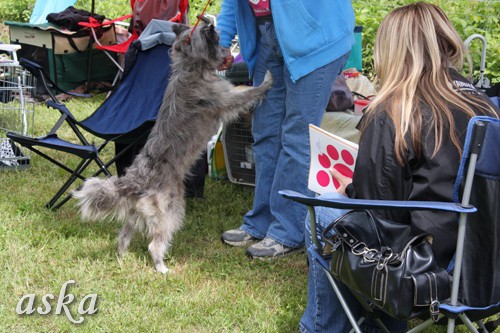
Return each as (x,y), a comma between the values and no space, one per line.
(387,264)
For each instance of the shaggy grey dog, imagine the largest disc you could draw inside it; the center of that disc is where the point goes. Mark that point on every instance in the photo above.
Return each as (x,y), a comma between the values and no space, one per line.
(150,196)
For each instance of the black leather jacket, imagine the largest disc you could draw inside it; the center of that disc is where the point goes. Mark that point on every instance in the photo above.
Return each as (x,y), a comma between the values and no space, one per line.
(378,175)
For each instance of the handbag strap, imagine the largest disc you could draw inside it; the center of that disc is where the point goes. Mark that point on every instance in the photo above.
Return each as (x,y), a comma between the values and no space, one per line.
(356,246)
(384,256)
(351,240)
(430,288)
(328,230)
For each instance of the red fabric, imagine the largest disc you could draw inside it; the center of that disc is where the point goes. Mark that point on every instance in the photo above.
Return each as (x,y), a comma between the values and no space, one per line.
(177,18)
(143,12)
(118,48)
(169,10)
(183,7)
(93,23)
(180,16)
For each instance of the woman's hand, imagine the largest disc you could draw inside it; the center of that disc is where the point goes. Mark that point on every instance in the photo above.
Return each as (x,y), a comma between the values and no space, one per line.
(228,61)
(343,180)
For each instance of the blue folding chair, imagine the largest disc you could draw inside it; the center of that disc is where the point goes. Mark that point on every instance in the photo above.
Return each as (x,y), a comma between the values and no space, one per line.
(475,289)
(124,118)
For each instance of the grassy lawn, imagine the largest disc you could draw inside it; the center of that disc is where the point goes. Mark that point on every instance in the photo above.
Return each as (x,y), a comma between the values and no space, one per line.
(213,287)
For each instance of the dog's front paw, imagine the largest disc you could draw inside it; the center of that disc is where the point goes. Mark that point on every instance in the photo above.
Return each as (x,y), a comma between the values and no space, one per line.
(268,80)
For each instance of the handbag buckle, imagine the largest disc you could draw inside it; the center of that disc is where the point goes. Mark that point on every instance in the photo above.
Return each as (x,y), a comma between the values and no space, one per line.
(369,255)
(386,256)
(361,252)
(434,310)
(382,263)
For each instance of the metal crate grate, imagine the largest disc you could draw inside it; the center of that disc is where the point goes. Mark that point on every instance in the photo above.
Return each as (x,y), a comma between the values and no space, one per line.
(237,144)
(17,108)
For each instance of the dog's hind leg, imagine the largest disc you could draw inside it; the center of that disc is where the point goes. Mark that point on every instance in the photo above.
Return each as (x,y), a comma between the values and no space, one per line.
(126,233)
(164,218)
(157,248)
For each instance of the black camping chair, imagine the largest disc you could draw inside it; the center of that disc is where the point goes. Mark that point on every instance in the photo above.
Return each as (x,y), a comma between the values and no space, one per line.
(475,289)
(124,118)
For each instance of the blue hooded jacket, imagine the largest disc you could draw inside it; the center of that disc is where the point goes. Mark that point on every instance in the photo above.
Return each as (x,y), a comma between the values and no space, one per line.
(311,33)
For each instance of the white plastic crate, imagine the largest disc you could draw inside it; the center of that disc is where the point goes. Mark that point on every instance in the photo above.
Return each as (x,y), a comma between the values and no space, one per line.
(17,108)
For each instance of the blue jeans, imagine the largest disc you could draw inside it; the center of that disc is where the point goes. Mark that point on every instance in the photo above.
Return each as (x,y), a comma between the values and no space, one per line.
(280,129)
(323,312)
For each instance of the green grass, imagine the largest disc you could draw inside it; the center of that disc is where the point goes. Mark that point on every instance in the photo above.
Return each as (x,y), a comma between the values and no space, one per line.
(213,287)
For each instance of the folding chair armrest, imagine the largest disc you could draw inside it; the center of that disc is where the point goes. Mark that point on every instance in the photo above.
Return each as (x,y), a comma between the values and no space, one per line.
(349,203)
(61,108)
(315,255)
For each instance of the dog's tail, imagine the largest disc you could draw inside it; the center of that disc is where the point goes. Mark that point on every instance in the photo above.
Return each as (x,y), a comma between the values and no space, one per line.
(99,198)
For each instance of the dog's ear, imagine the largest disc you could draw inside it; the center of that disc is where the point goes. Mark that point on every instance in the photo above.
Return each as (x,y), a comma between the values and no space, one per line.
(179,29)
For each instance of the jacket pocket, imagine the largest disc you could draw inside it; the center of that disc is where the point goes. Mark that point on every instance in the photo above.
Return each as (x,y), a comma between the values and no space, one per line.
(298,31)
(304,27)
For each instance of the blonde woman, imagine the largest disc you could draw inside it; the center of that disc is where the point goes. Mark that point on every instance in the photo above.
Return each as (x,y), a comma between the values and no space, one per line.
(411,141)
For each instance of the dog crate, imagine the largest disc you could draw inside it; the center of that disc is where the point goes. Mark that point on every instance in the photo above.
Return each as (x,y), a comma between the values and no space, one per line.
(17,107)
(237,137)
(238,155)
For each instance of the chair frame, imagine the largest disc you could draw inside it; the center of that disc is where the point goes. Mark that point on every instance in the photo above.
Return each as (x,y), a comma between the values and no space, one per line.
(121,48)
(477,126)
(87,151)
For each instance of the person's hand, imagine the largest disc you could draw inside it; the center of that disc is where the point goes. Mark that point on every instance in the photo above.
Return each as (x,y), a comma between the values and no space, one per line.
(343,180)
(228,61)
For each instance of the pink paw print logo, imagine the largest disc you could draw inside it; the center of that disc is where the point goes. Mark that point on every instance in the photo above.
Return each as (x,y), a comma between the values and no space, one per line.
(342,161)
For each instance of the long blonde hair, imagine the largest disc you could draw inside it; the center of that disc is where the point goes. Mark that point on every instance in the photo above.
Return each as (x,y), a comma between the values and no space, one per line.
(414,47)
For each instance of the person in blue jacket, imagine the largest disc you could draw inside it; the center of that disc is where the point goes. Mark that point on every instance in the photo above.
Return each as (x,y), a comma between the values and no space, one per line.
(304,44)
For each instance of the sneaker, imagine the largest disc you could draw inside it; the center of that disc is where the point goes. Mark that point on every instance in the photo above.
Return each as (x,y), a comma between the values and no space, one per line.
(237,237)
(269,248)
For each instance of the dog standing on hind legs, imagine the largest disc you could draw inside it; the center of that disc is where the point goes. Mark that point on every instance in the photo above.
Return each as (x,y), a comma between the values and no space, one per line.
(150,196)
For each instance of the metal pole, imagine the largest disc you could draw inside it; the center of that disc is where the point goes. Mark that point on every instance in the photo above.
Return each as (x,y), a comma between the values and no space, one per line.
(89,63)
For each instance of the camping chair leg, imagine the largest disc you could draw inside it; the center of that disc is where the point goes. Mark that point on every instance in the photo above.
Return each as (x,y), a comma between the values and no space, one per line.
(481,326)
(360,321)
(381,325)
(457,270)
(101,170)
(110,57)
(74,175)
(117,78)
(422,326)
(347,311)
(62,202)
(355,324)
(465,320)
(50,159)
